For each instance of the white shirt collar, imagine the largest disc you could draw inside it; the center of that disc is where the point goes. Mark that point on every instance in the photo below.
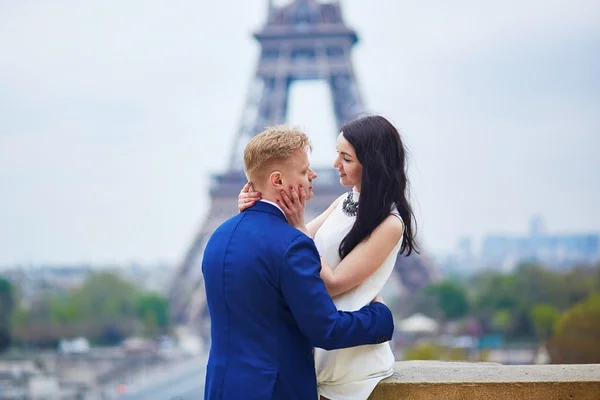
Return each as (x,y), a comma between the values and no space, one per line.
(274,204)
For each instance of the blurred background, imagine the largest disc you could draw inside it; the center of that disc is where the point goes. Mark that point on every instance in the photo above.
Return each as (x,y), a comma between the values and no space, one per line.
(118,121)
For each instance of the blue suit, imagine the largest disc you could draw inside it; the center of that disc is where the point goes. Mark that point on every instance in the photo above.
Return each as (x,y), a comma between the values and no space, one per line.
(269,308)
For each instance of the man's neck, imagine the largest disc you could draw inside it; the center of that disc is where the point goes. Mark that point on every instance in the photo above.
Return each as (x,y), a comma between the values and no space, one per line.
(272,201)
(269,197)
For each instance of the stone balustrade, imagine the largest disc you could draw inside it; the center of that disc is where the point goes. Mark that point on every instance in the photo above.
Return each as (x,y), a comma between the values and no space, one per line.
(429,380)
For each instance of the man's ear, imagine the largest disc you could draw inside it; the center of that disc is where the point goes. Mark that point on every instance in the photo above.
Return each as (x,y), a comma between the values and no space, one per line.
(276,179)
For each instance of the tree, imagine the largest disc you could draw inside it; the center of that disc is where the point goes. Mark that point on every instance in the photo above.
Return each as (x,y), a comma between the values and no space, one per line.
(580,282)
(451,299)
(102,309)
(423,351)
(6,311)
(528,286)
(576,334)
(153,311)
(105,295)
(502,321)
(495,292)
(544,318)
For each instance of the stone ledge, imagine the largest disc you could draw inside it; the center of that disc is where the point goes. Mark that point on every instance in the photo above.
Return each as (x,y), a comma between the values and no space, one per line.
(428,380)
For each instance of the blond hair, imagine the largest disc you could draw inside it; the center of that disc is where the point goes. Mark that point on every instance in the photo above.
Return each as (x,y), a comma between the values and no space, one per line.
(275,143)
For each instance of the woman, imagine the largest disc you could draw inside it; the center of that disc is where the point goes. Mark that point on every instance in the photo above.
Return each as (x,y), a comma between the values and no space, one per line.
(359,237)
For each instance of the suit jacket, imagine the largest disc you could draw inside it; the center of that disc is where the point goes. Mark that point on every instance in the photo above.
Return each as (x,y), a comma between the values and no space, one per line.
(268,308)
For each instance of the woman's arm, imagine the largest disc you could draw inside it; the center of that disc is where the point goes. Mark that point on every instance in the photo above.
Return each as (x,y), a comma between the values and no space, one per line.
(364,259)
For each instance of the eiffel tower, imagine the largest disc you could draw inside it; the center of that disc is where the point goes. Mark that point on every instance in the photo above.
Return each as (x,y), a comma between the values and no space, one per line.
(303,40)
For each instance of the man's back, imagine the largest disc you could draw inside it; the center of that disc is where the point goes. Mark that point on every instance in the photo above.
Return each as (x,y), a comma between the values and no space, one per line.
(269,307)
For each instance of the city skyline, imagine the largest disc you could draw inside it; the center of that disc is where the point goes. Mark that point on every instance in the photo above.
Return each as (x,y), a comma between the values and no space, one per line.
(108,113)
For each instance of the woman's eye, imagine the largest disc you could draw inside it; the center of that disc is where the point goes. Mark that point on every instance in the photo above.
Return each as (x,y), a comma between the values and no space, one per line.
(346,160)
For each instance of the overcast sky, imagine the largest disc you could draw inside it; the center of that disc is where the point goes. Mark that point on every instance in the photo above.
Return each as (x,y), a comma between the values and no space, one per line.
(113,113)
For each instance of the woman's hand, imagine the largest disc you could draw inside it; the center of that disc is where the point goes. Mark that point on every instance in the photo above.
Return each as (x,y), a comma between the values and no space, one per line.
(293,207)
(247,198)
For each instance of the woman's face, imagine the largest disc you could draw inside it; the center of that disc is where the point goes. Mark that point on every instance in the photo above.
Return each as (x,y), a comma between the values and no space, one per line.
(347,163)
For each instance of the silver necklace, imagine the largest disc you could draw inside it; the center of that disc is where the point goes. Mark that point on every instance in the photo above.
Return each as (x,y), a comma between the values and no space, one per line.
(349,206)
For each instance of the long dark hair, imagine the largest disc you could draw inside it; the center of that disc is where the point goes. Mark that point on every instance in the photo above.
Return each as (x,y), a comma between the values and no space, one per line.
(381,153)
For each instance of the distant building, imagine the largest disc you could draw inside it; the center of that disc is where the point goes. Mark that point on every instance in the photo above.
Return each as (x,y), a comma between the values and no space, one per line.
(554,250)
(459,263)
(34,281)
(505,252)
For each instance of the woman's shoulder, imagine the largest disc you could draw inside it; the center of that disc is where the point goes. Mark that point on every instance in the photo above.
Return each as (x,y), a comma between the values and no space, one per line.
(393,224)
(394,221)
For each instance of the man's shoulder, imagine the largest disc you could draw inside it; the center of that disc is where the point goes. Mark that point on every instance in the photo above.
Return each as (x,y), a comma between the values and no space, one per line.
(264,226)
(229,224)
(274,229)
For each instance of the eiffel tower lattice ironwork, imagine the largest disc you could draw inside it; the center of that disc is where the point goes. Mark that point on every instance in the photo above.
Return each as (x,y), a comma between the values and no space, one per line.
(303,40)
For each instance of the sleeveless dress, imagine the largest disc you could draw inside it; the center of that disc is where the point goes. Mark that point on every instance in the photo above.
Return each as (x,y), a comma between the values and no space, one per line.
(352,373)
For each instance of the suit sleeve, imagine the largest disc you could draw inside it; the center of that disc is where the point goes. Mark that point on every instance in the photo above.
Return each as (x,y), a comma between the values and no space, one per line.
(317,317)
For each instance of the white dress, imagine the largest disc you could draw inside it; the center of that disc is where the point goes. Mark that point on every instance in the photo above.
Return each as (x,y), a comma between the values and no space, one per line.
(354,372)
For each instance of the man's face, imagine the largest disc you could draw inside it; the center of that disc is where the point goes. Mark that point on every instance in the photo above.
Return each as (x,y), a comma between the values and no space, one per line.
(297,171)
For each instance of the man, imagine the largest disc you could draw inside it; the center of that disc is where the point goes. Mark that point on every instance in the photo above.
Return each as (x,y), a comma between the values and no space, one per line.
(267,302)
